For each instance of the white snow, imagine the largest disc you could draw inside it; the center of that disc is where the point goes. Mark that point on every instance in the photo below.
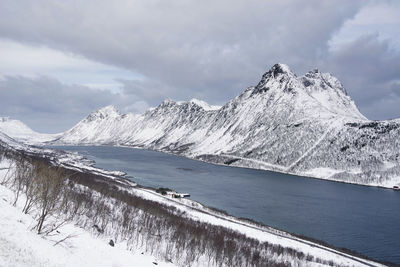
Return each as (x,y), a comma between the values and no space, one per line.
(204,104)
(284,67)
(321,172)
(21,132)
(19,246)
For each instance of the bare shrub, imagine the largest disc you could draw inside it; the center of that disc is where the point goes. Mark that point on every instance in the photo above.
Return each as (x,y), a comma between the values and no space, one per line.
(51,194)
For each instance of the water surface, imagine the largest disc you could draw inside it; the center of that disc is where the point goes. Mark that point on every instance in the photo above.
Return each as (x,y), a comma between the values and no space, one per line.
(361,218)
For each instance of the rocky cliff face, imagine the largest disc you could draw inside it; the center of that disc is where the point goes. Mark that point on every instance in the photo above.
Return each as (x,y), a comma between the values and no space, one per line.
(304,125)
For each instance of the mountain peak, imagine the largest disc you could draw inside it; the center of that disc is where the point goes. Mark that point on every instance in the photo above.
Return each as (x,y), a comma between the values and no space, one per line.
(322,81)
(280,68)
(4,119)
(200,103)
(168,101)
(314,89)
(10,126)
(109,110)
(21,132)
(105,112)
(204,104)
(276,78)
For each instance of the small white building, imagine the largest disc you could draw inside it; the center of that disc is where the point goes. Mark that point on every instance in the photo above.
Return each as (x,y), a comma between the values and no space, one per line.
(174,194)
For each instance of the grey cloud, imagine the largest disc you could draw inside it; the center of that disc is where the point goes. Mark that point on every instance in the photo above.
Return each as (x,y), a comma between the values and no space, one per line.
(146,89)
(370,70)
(154,92)
(212,49)
(395,88)
(47,105)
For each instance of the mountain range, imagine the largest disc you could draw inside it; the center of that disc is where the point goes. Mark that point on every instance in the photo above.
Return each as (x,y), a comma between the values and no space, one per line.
(306,125)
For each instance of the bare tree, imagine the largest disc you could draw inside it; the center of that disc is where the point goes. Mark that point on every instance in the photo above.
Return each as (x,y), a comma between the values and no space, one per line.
(9,174)
(51,193)
(30,189)
(21,174)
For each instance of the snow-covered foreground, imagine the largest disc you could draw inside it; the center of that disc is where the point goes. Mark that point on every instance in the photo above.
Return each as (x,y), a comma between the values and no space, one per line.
(19,246)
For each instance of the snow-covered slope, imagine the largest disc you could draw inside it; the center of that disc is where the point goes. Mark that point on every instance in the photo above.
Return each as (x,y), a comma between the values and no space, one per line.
(21,247)
(305,125)
(21,132)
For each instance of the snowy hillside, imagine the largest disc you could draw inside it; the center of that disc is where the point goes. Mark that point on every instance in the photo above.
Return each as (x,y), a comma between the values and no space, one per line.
(305,125)
(19,131)
(69,246)
(21,247)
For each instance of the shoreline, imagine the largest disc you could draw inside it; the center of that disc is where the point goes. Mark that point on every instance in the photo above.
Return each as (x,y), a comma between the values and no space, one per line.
(221,214)
(300,175)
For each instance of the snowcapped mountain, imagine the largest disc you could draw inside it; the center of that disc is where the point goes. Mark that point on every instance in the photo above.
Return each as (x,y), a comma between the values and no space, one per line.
(305,125)
(203,104)
(21,132)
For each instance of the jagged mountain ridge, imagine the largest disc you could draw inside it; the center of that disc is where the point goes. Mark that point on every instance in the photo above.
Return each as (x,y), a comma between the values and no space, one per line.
(304,125)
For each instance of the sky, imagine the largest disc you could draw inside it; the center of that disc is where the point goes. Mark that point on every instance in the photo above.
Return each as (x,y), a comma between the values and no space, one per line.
(61,60)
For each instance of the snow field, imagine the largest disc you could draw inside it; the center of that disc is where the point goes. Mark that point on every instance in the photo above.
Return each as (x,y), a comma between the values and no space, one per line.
(20,246)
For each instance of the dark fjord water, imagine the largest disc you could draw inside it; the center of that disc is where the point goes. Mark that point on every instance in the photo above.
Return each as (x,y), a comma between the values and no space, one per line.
(364,219)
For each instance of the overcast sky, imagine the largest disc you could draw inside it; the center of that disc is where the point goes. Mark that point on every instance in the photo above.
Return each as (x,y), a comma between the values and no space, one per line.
(60,60)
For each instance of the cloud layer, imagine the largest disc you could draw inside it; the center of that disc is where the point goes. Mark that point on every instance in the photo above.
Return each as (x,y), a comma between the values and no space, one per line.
(204,49)
(47,105)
